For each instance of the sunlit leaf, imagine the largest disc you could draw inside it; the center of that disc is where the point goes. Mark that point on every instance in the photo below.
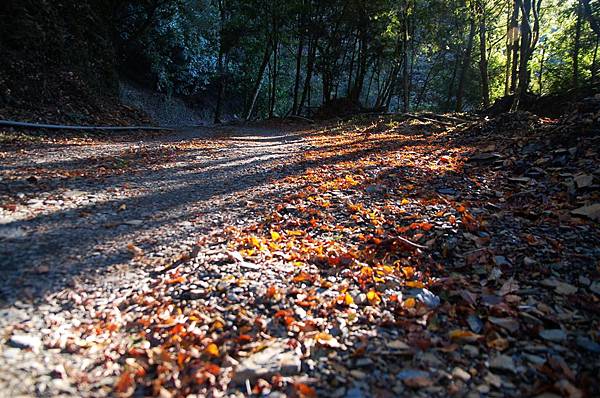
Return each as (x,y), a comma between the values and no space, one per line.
(212,350)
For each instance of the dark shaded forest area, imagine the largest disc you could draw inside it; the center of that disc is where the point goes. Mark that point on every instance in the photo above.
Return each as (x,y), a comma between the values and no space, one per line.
(248,59)
(303,198)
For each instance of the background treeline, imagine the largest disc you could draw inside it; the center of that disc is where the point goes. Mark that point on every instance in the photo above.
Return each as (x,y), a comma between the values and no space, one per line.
(262,58)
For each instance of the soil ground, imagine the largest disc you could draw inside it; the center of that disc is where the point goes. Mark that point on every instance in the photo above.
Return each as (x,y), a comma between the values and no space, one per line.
(382,258)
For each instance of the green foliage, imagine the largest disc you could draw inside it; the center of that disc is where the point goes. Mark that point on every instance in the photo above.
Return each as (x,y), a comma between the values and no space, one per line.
(401,54)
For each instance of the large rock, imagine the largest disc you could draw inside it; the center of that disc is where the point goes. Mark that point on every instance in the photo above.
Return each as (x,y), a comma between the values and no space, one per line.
(25,341)
(277,358)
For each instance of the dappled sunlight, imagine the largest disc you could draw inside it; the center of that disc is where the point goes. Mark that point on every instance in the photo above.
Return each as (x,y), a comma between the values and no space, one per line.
(354,234)
(381,247)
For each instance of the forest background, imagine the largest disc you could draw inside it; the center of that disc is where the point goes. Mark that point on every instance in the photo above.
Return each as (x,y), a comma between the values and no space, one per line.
(257,58)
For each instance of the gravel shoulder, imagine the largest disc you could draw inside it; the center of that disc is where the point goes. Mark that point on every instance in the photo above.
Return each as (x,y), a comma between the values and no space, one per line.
(74,217)
(378,257)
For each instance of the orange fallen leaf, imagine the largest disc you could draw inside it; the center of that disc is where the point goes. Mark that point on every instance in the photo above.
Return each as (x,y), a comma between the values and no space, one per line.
(408,272)
(136,251)
(464,335)
(212,350)
(213,369)
(271,291)
(305,391)
(409,303)
(173,281)
(348,300)
(125,384)
(302,277)
(373,298)
(276,236)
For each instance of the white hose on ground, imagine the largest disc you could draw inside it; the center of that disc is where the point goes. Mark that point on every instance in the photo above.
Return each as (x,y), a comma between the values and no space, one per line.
(12,123)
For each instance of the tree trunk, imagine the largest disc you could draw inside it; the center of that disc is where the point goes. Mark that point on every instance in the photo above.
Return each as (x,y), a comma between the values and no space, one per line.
(483,62)
(259,80)
(577,46)
(310,64)
(405,71)
(508,53)
(220,85)
(424,88)
(465,66)
(298,73)
(221,64)
(351,67)
(594,60)
(594,23)
(541,73)
(514,34)
(373,71)
(361,67)
(452,80)
(523,77)
(274,71)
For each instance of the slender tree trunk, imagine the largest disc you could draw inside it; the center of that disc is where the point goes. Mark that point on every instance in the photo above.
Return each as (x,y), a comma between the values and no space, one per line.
(391,90)
(452,81)
(594,23)
(373,71)
(405,71)
(221,64)
(483,62)
(577,45)
(424,88)
(351,67)
(541,73)
(421,96)
(523,82)
(465,66)
(380,90)
(259,79)
(509,45)
(274,71)
(361,67)
(220,85)
(298,73)
(514,31)
(310,63)
(594,71)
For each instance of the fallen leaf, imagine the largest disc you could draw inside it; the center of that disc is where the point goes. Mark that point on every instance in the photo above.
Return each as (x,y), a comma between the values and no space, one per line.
(212,350)
(373,298)
(464,336)
(305,391)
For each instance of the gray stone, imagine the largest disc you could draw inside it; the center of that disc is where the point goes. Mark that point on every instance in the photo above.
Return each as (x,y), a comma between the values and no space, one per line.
(554,335)
(459,373)
(503,363)
(276,358)
(25,341)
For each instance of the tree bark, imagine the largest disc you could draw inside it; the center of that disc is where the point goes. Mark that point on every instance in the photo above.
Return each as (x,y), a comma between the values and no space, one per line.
(405,66)
(221,63)
(310,64)
(259,79)
(483,61)
(577,45)
(298,71)
(594,70)
(465,65)
(514,35)
(274,72)
(507,69)
(594,23)
(541,73)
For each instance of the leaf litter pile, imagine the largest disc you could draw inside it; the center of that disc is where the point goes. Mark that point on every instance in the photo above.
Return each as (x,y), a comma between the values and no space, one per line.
(409,257)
